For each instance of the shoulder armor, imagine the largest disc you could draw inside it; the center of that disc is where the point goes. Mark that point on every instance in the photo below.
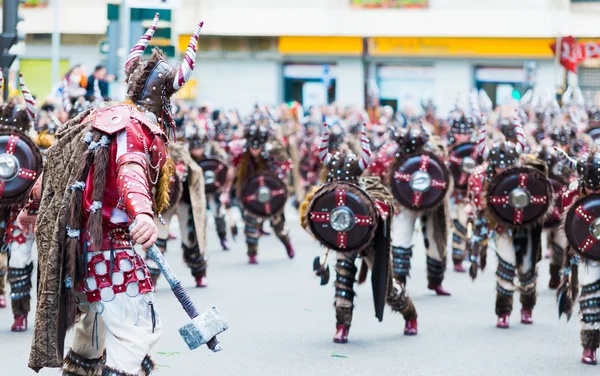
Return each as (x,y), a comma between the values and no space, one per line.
(114,119)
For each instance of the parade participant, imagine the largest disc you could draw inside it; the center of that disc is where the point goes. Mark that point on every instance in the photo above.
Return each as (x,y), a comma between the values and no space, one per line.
(107,169)
(362,231)
(257,158)
(581,270)
(22,164)
(402,154)
(461,162)
(514,220)
(207,152)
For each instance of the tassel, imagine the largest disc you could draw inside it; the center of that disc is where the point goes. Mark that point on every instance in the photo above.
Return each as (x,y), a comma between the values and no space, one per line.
(153,316)
(95,332)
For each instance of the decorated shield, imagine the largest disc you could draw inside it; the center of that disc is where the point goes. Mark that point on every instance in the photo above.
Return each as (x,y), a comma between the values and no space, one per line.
(462,161)
(342,217)
(594,133)
(264,195)
(20,165)
(520,197)
(420,182)
(215,174)
(582,226)
(559,187)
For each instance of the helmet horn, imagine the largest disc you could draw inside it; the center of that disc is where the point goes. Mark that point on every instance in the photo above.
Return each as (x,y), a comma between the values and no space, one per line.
(324,154)
(29,101)
(521,141)
(365,146)
(189,60)
(137,50)
(482,147)
(569,162)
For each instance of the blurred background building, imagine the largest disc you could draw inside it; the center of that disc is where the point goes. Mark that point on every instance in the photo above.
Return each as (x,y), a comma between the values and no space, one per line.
(320,51)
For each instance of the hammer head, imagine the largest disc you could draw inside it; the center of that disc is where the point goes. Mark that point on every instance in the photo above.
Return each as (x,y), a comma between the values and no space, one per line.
(203,328)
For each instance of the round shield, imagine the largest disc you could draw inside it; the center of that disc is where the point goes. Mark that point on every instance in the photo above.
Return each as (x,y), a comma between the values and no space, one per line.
(520,196)
(215,174)
(420,182)
(342,217)
(582,226)
(559,187)
(20,165)
(462,161)
(594,133)
(264,195)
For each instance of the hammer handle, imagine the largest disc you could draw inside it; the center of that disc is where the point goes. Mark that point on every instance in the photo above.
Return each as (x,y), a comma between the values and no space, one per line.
(157,256)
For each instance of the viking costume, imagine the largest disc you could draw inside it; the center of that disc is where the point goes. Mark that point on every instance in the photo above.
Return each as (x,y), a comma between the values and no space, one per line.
(412,158)
(581,261)
(107,168)
(262,166)
(513,220)
(20,166)
(213,159)
(462,160)
(188,202)
(352,215)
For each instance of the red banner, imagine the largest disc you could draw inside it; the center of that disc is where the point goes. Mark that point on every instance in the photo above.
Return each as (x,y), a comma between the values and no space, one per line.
(573,52)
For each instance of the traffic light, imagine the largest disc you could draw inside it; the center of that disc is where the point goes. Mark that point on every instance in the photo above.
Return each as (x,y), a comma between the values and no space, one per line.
(10,35)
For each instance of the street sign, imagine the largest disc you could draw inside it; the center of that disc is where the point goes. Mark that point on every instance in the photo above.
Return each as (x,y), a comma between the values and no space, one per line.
(154,4)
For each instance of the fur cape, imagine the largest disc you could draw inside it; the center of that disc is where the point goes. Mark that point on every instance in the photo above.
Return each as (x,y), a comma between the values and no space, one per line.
(56,309)
(195,181)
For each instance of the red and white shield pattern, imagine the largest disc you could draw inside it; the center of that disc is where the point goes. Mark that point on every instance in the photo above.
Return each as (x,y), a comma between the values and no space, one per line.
(417,197)
(324,217)
(274,193)
(518,213)
(23,173)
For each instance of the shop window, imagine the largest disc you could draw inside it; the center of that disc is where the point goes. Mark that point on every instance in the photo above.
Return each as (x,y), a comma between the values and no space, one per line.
(309,84)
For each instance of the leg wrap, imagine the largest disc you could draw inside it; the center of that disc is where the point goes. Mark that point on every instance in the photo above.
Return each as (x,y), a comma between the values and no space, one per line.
(344,292)
(435,271)
(195,260)
(73,363)
(221,225)
(401,263)
(589,304)
(505,271)
(20,289)
(400,302)
(252,232)
(281,230)
(2,279)
(458,241)
(424,231)
(590,339)
(527,288)
(148,365)
(343,315)
(556,254)
(108,371)
(504,301)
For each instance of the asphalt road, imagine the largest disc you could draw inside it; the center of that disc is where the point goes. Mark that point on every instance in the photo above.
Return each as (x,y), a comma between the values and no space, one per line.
(282,323)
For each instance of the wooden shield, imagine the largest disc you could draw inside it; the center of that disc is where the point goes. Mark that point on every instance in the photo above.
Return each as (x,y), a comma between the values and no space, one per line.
(215,174)
(420,182)
(264,195)
(20,165)
(462,161)
(582,226)
(559,187)
(520,197)
(342,217)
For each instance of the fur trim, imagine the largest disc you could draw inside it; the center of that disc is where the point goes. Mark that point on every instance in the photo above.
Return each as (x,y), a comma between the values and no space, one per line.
(504,304)
(109,371)
(590,339)
(362,274)
(164,191)
(15,118)
(303,209)
(73,363)
(343,315)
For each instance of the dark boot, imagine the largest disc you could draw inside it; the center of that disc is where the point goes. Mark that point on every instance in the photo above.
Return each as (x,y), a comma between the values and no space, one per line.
(290,250)
(20,324)
(201,282)
(224,244)
(439,290)
(503,321)
(410,327)
(341,333)
(589,357)
(458,266)
(527,316)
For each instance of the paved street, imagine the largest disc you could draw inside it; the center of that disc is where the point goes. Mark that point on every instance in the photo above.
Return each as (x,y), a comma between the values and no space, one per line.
(282,323)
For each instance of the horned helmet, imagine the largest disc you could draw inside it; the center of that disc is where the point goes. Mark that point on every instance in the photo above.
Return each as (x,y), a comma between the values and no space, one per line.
(14,115)
(344,166)
(152,83)
(587,167)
